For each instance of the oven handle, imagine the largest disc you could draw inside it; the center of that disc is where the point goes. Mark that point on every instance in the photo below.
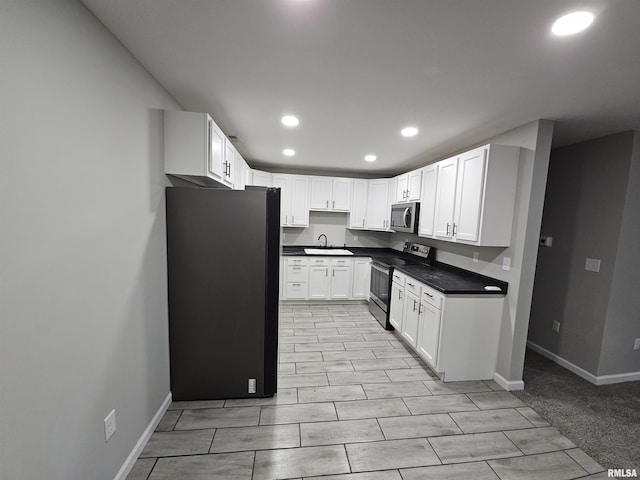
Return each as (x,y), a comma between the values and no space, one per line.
(382,270)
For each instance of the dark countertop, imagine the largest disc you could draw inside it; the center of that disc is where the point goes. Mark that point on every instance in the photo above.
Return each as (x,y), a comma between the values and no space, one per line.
(445,278)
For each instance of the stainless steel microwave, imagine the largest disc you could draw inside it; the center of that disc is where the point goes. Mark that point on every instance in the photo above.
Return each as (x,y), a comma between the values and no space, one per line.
(404,217)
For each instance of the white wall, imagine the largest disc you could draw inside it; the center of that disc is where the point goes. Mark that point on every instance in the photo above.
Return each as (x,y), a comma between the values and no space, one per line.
(82,257)
(334,226)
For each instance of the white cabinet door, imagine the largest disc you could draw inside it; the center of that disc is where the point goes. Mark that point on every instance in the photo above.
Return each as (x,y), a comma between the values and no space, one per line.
(396,307)
(428,200)
(217,150)
(341,195)
(409,329)
(402,190)
(229,161)
(361,278)
(299,201)
(377,205)
(428,333)
(282,182)
(471,174)
(320,193)
(445,197)
(261,179)
(391,199)
(414,183)
(341,281)
(358,212)
(319,282)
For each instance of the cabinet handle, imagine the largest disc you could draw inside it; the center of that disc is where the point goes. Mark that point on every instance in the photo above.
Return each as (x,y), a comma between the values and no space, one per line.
(454,229)
(285,219)
(414,305)
(333,273)
(420,309)
(399,294)
(297,268)
(326,272)
(296,284)
(410,284)
(333,205)
(428,294)
(293,219)
(448,227)
(363,222)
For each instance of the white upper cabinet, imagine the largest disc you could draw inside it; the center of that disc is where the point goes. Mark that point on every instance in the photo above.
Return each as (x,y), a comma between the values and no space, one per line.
(228,165)
(475,196)
(193,146)
(294,199)
(241,174)
(377,204)
(428,200)
(409,184)
(358,214)
(391,199)
(447,179)
(330,194)
(261,179)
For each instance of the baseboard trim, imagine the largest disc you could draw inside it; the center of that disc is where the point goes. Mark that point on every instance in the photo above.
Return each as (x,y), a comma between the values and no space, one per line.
(142,441)
(581,372)
(509,385)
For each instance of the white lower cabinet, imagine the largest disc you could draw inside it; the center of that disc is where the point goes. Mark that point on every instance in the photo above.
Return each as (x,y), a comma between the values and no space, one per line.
(429,326)
(456,335)
(409,329)
(361,278)
(327,278)
(341,278)
(396,306)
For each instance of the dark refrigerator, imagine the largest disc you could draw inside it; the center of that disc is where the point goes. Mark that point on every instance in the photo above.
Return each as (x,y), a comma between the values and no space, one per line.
(223,250)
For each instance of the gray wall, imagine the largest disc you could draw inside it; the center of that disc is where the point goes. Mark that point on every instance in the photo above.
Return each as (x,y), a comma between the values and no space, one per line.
(82,259)
(535,141)
(585,213)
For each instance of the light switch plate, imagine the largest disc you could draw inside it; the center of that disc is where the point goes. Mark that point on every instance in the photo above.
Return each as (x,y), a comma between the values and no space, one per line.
(109,425)
(506,263)
(546,241)
(592,264)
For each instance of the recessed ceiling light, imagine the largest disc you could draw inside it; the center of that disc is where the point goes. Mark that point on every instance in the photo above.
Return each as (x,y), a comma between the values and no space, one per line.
(572,23)
(370,158)
(409,131)
(289,152)
(290,121)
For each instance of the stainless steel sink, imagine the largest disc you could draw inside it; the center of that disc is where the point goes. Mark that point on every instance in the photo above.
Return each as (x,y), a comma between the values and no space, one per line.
(327,251)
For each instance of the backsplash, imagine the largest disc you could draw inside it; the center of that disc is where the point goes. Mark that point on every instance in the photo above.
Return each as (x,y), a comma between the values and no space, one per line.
(334,226)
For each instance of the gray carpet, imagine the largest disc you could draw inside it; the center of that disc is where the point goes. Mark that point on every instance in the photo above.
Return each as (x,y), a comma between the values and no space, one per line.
(604,421)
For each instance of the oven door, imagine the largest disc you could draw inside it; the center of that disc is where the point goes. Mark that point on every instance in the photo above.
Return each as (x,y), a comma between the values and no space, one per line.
(379,294)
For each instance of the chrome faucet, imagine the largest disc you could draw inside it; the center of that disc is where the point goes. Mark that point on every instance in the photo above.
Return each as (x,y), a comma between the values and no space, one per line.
(325,239)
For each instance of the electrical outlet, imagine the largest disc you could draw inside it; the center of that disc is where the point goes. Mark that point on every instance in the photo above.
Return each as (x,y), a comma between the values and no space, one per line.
(109,425)
(506,263)
(546,241)
(592,264)
(355,238)
(556,326)
(476,256)
(636,344)
(252,385)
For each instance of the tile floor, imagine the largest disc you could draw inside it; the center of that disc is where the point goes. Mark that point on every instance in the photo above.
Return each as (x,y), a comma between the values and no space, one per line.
(355,404)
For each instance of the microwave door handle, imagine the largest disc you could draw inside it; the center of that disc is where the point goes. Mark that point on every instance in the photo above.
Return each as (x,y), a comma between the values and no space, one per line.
(407,217)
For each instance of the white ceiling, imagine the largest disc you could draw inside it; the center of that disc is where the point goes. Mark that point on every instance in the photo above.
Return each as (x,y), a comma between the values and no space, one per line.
(357,71)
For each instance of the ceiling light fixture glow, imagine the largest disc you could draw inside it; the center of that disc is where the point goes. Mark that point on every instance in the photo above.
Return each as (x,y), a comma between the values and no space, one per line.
(289,152)
(572,23)
(370,158)
(290,121)
(409,131)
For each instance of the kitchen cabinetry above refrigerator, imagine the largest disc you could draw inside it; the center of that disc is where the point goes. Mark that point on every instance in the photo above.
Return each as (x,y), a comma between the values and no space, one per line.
(196,150)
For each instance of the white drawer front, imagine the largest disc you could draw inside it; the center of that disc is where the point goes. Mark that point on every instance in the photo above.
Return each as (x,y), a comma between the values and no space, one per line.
(297,290)
(297,273)
(430,296)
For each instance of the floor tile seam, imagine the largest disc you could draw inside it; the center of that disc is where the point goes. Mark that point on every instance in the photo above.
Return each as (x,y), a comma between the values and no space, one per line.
(212,439)
(253,465)
(178,419)
(435,452)
(155,462)
(212,428)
